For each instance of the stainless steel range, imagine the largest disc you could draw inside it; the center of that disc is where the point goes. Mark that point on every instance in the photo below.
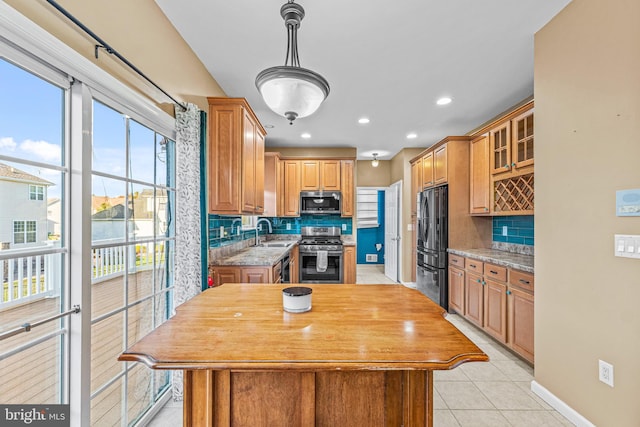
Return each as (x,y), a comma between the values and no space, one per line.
(320,255)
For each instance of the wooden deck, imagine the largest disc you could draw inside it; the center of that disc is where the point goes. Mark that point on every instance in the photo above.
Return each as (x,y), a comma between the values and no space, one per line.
(33,375)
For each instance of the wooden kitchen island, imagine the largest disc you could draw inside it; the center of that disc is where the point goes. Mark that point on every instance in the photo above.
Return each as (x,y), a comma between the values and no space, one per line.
(363,356)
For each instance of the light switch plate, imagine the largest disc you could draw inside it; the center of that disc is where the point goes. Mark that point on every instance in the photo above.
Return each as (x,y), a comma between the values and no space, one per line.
(626,246)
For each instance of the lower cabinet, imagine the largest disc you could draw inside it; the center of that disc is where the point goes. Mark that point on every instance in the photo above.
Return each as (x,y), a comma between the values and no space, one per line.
(256,275)
(474,299)
(294,265)
(349,264)
(520,326)
(456,289)
(496,299)
(233,274)
(495,310)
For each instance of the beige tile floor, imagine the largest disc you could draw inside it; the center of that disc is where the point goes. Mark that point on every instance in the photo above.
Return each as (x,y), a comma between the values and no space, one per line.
(492,394)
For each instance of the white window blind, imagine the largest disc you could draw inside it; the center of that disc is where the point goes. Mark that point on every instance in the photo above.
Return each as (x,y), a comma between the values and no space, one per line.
(367,208)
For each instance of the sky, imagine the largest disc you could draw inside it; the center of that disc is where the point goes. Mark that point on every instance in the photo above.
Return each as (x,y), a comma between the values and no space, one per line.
(31,127)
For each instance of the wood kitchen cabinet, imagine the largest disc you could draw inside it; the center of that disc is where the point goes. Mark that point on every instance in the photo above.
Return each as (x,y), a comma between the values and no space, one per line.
(347,186)
(495,301)
(235,158)
(474,298)
(256,275)
(495,298)
(320,175)
(479,188)
(522,137)
(416,185)
(222,275)
(500,143)
(349,264)
(273,185)
(291,171)
(294,265)
(440,165)
(520,306)
(427,170)
(244,274)
(456,283)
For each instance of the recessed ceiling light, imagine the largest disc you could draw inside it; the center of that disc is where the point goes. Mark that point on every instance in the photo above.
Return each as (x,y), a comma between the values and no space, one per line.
(444,100)
(306,135)
(269,126)
(412,135)
(363,120)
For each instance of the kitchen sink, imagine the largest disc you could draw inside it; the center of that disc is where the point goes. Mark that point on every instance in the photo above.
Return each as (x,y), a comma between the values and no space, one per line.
(276,244)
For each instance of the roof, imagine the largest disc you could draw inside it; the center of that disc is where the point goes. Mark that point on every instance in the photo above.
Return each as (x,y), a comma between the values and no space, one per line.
(115,212)
(15,174)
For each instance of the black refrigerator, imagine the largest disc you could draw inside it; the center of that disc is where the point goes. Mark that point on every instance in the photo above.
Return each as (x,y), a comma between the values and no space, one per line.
(432,239)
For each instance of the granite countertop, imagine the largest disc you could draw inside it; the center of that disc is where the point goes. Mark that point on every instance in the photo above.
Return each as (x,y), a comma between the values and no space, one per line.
(348,240)
(255,255)
(505,259)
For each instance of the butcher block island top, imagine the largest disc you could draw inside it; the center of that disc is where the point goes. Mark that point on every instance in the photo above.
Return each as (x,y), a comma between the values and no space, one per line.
(363,355)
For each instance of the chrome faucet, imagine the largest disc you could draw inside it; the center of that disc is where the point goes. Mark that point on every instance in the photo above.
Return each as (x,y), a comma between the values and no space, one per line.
(257,223)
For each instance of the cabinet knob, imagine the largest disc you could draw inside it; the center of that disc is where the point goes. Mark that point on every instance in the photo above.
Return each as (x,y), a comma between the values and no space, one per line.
(484,283)
(508,292)
(478,280)
(513,164)
(506,166)
(486,209)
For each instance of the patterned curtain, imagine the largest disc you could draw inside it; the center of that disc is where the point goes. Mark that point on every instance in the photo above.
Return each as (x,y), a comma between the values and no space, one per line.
(188,262)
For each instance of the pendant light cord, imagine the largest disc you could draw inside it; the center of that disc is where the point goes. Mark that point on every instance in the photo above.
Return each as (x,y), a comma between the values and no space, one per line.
(103,45)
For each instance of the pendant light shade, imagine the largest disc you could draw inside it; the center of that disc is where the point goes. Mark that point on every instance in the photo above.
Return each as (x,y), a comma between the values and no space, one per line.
(375,162)
(290,90)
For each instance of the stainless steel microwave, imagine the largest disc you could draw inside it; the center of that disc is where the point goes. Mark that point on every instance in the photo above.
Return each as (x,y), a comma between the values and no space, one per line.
(320,202)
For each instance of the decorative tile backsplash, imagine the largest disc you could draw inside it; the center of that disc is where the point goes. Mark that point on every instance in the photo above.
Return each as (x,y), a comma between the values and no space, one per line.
(519,229)
(231,231)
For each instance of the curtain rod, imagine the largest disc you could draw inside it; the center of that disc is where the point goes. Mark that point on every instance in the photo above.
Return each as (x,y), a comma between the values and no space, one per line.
(102,44)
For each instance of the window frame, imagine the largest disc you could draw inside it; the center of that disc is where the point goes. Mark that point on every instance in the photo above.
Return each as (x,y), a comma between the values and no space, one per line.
(36,192)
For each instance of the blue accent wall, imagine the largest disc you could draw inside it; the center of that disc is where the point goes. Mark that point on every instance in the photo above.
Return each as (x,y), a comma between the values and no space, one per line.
(519,229)
(279,227)
(368,237)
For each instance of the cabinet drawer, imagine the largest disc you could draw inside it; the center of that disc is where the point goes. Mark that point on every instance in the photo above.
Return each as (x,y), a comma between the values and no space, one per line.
(495,272)
(521,279)
(456,260)
(473,265)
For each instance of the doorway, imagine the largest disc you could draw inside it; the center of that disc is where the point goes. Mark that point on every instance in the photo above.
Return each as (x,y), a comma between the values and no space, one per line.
(392,226)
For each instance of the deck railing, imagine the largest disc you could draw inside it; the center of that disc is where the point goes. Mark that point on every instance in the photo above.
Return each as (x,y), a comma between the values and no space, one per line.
(25,276)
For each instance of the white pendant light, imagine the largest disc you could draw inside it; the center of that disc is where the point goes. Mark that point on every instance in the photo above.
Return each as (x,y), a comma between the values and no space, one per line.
(375,162)
(290,90)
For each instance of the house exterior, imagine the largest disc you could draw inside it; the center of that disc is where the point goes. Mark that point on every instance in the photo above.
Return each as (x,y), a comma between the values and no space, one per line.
(23,222)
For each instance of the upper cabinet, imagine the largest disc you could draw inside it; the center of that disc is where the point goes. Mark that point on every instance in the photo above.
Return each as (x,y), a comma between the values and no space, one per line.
(291,186)
(522,140)
(440,165)
(316,175)
(346,184)
(500,141)
(273,185)
(509,176)
(427,170)
(479,175)
(320,175)
(235,158)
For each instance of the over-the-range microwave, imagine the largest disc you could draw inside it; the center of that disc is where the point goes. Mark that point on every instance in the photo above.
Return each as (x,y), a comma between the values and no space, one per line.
(320,202)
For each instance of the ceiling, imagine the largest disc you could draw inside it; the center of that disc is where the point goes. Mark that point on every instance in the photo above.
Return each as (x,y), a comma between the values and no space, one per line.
(388,61)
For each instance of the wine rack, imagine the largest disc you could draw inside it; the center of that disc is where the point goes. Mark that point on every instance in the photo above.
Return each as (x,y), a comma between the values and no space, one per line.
(514,195)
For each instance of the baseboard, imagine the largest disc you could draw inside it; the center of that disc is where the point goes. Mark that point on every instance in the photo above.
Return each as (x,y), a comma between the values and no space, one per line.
(557,404)
(410,285)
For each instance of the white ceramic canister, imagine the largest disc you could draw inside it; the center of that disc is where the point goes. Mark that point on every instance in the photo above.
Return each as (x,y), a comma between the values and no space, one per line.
(296,299)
